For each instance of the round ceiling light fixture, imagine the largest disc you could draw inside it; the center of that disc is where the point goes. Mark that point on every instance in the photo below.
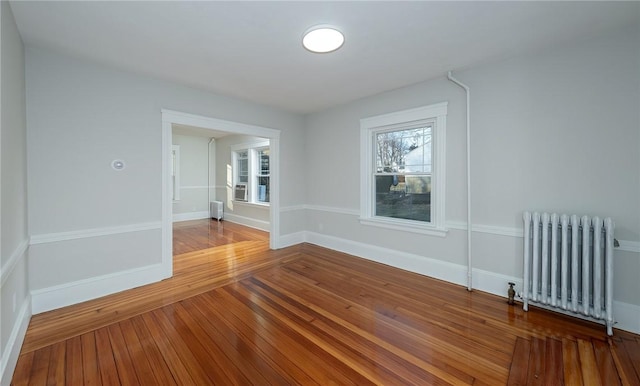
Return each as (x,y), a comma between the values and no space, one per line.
(322,39)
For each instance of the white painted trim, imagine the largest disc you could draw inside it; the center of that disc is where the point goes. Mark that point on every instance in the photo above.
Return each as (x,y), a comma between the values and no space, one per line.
(166,198)
(178,117)
(627,316)
(292,239)
(629,246)
(320,208)
(255,205)
(9,357)
(625,245)
(490,229)
(66,294)
(193,187)
(493,282)
(169,117)
(177,217)
(404,226)
(409,115)
(248,145)
(176,173)
(247,221)
(95,232)
(497,230)
(10,265)
(436,113)
(438,269)
(292,208)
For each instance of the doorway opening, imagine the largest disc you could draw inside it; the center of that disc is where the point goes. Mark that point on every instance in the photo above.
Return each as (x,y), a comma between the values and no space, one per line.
(214,127)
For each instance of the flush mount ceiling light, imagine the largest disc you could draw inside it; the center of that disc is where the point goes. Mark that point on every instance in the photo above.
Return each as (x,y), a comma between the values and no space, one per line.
(322,39)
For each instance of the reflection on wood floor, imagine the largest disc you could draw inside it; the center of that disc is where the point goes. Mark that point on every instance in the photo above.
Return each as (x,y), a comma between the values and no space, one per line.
(190,236)
(241,314)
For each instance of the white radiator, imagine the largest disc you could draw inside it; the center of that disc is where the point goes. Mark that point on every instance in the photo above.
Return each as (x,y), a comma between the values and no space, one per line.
(216,209)
(568,265)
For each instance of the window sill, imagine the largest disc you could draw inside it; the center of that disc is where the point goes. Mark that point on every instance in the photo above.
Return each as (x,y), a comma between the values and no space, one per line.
(252,204)
(405,226)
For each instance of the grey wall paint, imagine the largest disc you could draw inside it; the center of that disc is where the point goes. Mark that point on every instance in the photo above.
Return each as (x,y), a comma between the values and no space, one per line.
(555,130)
(13,181)
(14,186)
(560,131)
(193,174)
(82,116)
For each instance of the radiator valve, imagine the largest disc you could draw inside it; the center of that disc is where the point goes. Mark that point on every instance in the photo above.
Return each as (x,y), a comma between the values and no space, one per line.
(511,293)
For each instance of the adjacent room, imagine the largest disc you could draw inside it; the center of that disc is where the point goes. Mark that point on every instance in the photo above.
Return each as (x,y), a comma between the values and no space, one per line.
(317,193)
(207,168)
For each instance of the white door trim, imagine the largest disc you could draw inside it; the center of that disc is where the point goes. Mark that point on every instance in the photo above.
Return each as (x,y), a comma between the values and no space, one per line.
(170,117)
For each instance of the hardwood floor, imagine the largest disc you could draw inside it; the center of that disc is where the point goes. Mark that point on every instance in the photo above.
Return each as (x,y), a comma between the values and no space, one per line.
(190,236)
(240,314)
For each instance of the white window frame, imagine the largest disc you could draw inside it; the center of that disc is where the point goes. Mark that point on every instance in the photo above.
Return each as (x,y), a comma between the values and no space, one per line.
(369,127)
(258,172)
(252,153)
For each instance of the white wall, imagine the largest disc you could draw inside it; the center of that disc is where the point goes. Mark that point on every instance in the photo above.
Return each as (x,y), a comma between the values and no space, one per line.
(81,116)
(194,177)
(555,130)
(256,216)
(15,307)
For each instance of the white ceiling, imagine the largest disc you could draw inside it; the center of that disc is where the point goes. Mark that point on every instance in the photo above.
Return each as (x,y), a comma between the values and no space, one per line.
(253,51)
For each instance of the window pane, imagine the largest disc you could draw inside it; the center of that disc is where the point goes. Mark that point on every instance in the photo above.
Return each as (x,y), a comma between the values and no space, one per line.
(263,189)
(406,150)
(403,196)
(263,157)
(243,166)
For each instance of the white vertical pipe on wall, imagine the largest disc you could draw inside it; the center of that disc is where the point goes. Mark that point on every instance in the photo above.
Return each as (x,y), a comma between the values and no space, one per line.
(609,244)
(469,266)
(209,176)
(527,260)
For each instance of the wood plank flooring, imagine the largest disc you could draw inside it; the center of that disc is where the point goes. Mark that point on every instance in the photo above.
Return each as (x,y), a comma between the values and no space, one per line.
(240,314)
(190,236)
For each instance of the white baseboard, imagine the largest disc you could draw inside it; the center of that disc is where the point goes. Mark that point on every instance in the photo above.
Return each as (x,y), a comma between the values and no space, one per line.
(63,295)
(190,216)
(435,268)
(627,315)
(247,221)
(291,239)
(9,357)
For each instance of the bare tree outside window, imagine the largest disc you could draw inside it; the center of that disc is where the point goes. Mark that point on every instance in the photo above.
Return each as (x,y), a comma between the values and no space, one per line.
(403,173)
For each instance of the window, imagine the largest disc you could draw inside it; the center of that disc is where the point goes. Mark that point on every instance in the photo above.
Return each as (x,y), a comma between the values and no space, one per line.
(252,171)
(402,169)
(262,175)
(242,166)
(402,177)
